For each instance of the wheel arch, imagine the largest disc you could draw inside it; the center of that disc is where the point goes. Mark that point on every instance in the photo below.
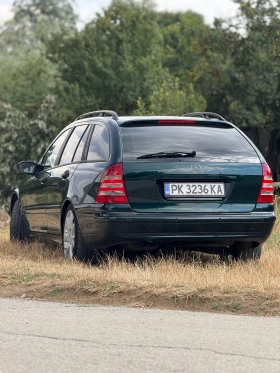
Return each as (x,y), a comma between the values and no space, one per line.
(15,197)
(63,211)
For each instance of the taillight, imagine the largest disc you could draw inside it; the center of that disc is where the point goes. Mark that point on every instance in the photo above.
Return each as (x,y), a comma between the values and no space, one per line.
(170,122)
(111,188)
(266,193)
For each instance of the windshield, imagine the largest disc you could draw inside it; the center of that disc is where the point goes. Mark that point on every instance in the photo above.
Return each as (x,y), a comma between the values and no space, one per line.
(210,143)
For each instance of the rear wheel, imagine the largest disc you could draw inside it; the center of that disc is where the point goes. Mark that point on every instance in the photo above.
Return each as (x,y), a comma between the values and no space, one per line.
(19,227)
(244,254)
(73,242)
(249,253)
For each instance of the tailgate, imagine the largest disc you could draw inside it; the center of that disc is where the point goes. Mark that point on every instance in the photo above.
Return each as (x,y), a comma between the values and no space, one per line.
(218,169)
(145,185)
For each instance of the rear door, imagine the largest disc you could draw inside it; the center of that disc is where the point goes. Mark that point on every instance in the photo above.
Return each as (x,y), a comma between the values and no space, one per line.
(95,161)
(57,185)
(224,176)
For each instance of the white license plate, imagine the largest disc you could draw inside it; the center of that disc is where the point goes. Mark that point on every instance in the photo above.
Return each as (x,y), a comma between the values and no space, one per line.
(194,189)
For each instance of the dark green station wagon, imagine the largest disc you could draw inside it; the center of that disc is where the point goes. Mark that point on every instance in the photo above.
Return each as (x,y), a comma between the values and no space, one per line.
(144,183)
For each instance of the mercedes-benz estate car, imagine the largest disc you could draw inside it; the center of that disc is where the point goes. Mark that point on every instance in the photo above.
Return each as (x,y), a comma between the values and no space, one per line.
(144,183)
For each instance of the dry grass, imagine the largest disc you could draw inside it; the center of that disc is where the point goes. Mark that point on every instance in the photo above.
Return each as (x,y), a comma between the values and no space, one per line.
(200,283)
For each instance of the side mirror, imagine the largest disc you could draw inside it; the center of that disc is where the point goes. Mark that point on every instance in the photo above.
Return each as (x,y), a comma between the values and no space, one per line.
(28,167)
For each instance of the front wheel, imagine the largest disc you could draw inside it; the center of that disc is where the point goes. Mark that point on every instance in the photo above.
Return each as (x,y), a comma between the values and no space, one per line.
(19,227)
(73,243)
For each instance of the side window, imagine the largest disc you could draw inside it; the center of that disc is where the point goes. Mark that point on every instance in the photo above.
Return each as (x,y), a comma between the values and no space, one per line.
(99,144)
(71,145)
(51,154)
(80,147)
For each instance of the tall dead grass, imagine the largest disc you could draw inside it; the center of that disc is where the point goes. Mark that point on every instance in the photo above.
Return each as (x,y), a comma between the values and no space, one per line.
(200,282)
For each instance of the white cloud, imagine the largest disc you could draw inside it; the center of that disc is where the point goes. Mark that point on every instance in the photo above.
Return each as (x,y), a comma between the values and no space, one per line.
(210,9)
(5,13)
(86,9)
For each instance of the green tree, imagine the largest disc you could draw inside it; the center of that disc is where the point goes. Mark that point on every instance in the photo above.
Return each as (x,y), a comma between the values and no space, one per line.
(239,74)
(183,37)
(26,74)
(23,139)
(254,95)
(27,81)
(35,22)
(113,61)
(199,56)
(169,99)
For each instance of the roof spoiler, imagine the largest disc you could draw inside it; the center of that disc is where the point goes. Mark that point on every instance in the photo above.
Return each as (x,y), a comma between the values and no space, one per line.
(206,115)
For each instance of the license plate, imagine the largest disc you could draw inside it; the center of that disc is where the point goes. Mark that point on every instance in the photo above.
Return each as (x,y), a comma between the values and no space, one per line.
(194,189)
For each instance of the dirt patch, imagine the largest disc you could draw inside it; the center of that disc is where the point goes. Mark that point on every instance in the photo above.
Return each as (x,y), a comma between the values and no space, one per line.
(142,298)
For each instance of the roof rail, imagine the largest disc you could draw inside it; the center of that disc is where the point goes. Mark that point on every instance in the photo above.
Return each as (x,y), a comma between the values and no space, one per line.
(205,114)
(101,113)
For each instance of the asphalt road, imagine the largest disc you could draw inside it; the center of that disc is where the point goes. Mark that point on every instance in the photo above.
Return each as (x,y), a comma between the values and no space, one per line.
(56,338)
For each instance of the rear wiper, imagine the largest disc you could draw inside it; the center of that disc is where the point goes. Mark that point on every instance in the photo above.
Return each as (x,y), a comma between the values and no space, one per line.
(168,155)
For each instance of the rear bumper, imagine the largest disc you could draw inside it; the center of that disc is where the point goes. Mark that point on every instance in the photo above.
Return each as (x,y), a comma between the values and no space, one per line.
(103,229)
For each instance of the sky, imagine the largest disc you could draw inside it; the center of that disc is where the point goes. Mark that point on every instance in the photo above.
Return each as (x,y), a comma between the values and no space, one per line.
(86,9)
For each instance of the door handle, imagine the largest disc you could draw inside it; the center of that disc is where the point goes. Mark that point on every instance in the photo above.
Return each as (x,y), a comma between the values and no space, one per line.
(65,174)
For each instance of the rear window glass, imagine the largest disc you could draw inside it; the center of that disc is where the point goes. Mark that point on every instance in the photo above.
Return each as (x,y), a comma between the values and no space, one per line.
(71,145)
(211,143)
(99,144)
(80,147)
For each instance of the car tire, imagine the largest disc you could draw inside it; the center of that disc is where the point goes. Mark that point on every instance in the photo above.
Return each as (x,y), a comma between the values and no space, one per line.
(244,254)
(74,246)
(19,227)
(249,253)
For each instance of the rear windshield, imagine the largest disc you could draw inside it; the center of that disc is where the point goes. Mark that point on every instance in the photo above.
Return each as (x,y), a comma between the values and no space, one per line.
(212,144)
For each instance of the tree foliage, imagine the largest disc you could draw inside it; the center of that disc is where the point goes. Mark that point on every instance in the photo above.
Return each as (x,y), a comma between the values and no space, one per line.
(37,21)
(28,81)
(254,95)
(113,61)
(169,99)
(23,139)
(132,59)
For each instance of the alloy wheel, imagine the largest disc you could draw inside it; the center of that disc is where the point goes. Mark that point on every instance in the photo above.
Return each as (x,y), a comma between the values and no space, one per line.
(69,235)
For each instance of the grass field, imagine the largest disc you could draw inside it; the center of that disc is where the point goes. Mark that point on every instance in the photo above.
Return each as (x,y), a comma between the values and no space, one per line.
(199,283)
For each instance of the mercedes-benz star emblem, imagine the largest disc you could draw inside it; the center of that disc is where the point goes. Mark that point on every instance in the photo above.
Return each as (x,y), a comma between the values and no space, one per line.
(196,168)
